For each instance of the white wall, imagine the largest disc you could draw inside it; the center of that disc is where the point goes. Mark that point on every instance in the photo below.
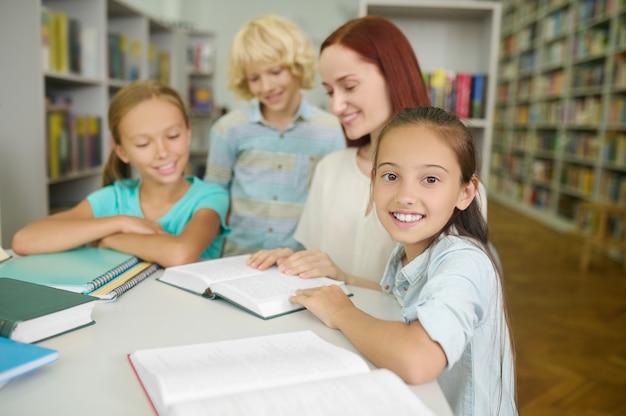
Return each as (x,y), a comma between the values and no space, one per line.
(224,17)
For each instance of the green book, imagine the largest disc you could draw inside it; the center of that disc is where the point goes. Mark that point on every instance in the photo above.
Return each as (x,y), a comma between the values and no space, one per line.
(30,312)
(80,270)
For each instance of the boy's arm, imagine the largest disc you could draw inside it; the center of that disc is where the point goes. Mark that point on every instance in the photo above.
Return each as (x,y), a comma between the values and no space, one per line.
(73,228)
(169,250)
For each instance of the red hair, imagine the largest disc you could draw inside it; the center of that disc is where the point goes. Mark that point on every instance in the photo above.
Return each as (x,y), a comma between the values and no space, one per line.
(380,42)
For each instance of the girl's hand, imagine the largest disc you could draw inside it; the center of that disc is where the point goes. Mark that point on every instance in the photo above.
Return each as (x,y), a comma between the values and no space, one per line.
(311,263)
(326,302)
(263,259)
(136,225)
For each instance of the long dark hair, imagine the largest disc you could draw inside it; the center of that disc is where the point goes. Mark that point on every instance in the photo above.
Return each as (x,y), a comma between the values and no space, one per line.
(469,222)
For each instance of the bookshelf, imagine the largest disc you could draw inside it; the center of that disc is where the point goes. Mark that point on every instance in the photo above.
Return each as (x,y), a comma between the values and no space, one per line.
(42,170)
(560,123)
(458,36)
(200,47)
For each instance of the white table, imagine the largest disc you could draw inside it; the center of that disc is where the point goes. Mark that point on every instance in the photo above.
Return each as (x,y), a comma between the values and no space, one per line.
(93,376)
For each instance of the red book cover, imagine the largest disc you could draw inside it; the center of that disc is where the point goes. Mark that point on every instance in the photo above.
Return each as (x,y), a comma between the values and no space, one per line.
(463,94)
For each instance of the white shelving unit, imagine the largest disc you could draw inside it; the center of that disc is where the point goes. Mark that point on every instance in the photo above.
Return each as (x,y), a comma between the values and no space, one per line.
(561,131)
(201,61)
(26,191)
(455,35)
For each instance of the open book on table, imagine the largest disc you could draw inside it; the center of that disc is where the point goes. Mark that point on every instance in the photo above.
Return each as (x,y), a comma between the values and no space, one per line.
(291,373)
(262,293)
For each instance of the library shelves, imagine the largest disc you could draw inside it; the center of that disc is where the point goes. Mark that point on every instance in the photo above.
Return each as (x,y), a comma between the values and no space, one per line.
(56,93)
(456,36)
(560,119)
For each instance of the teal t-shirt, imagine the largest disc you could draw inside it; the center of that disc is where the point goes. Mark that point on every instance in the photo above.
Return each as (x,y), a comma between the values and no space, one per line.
(122,198)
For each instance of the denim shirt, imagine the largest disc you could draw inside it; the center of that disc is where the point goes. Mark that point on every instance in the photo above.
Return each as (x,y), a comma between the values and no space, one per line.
(453,290)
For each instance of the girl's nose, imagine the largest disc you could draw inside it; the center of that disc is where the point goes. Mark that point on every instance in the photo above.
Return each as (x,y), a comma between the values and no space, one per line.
(406,194)
(161,147)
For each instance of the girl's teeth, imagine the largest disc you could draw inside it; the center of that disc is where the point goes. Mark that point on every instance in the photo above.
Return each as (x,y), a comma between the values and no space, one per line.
(408,217)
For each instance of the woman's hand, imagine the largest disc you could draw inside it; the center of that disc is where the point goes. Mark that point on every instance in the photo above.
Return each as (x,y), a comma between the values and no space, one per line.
(264,259)
(309,264)
(328,303)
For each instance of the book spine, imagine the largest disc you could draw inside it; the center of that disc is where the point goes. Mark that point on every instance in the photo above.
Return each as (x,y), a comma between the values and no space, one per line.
(6,327)
(111,274)
(119,291)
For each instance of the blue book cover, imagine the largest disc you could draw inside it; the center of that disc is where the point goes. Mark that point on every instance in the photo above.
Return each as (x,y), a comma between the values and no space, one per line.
(17,358)
(81,270)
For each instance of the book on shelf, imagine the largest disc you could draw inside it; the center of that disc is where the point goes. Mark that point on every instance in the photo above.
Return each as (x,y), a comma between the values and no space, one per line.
(201,98)
(290,373)
(264,294)
(463,94)
(478,96)
(73,140)
(19,358)
(99,272)
(31,312)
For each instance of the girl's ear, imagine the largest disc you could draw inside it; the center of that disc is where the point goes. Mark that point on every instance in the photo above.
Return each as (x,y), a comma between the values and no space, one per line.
(120,152)
(467,194)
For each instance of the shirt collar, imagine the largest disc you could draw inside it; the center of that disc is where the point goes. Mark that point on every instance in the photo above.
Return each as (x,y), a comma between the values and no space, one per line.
(304,111)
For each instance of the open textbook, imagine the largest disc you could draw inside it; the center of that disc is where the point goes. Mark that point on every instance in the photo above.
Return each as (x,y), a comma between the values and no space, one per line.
(283,374)
(262,293)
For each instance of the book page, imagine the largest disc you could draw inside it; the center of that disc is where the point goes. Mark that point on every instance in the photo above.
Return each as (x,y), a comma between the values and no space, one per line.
(177,374)
(268,295)
(197,277)
(379,392)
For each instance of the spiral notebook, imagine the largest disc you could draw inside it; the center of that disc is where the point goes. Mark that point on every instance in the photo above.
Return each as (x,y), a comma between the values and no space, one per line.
(82,270)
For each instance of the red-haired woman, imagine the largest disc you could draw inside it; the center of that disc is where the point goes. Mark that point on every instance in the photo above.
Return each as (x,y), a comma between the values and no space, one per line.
(370,73)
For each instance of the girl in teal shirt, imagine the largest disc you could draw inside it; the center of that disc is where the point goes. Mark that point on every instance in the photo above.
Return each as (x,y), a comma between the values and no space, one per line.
(161,216)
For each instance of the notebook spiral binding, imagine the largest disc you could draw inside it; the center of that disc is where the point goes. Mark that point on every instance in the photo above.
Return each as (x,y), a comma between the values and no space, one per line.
(111,274)
(118,291)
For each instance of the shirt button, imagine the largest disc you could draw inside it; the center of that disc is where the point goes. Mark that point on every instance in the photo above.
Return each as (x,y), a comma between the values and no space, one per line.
(405,288)
(387,287)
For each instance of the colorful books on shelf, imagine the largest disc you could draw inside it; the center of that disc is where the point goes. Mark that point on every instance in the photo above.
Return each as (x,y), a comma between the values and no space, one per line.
(296,372)
(73,140)
(99,272)
(458,92)
(18,358)
(31,312)
(64,46)
(264,294)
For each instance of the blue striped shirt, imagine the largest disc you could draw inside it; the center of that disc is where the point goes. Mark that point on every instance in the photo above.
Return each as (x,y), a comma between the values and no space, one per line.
(268,172)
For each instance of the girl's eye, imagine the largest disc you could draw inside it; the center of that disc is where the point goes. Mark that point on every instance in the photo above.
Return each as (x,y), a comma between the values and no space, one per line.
(329,93)
(173,136)
(277,71)
(431,179)
(144,144)
(389,177)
